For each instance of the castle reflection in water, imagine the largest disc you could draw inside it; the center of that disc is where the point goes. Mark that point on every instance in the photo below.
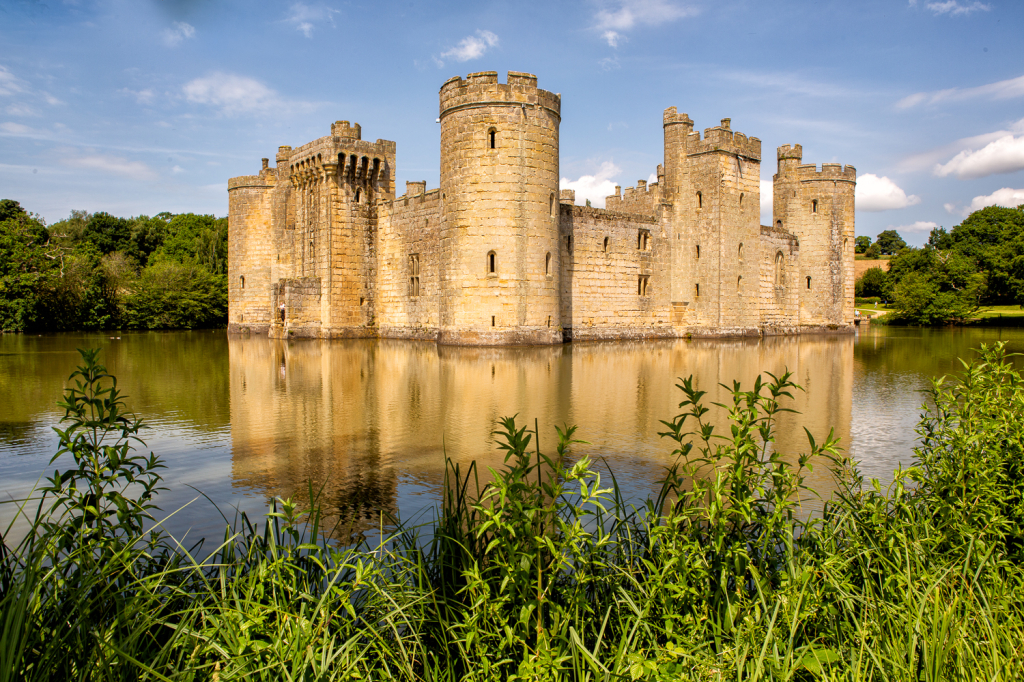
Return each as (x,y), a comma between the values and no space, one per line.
(358,418)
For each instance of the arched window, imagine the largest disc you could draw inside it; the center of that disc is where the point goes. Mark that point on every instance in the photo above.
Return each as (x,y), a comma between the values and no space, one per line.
(741,199)
(778,224)
(492,263)
(739,282)
(780,270)
(547,264)
(700,200)
(814,205)
(606,244)
(491,136)
(808,281)
(739,252)
(643,240)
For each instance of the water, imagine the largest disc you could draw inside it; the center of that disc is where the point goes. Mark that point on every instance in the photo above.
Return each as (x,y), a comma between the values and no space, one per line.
(368,423)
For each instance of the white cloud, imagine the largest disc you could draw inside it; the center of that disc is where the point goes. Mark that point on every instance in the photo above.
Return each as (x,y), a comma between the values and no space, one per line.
(594,187)
(928,160)
(17,129)
(144,96)
(629,14)
(954,8)
(178,32)
(9,83)
(50,99)
(1007,197)
(19,109)
(767,193)
(113,165)
(470,47)
(1007,89)
(881,194)
(1003,155)
(177,169)
(230,93)
(919,226)
(306,17)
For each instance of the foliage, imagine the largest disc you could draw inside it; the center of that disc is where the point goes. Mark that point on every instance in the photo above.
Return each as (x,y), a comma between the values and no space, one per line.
(98,271)
(545,573)
(871,284)
(873,252)
(889,242)
(861,244)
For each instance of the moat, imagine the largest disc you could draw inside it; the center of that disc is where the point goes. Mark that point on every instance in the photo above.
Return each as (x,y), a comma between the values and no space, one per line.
(246,419)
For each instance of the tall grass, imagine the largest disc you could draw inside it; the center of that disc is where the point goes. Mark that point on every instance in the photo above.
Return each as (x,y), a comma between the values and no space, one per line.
(545,572)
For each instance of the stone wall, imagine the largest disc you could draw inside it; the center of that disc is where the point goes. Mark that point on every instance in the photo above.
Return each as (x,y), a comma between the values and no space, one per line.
(408,282)
(614,275)
(779,285)
(301,315)
(249,251)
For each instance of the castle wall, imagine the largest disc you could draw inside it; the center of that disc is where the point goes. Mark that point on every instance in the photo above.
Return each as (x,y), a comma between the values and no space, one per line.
(779,281)
(250,206)
(408,282)
(644,198)
(302,299)
(614,275)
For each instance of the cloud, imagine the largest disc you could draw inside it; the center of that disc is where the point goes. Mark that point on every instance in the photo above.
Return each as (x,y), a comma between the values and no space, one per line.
(594,187)
(629,14)
(113,165)
(1007,89)
(19,109)
(50,99)
(919,226)
(881,194)
(9,83)
(928,160)
(1006,197)
(177,169)
(470,47)
(306,17)
(767,193)
(230,93)
(17,130)
(1003,155)
(144,96)
(954,8)
(178,32)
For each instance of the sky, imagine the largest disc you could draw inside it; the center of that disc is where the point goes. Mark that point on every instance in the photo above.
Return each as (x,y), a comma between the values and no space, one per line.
(143,106)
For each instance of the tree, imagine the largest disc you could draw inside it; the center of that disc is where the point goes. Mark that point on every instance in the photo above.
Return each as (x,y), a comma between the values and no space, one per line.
(873,252)
(23,265)
(861,244)
(872,283)
(172,295)
(889,242)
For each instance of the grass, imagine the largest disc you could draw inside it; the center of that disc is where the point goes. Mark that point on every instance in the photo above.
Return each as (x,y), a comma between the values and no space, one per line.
(545,573)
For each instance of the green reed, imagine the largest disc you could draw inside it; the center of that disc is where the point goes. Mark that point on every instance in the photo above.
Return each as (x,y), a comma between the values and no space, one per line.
(545,572)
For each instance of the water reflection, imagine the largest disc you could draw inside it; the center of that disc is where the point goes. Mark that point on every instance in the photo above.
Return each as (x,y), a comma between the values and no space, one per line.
(352,415)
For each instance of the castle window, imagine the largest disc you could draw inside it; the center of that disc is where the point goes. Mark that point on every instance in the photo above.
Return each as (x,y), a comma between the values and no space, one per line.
(643,240)
(492,263)
(242,278)
(696,290)
(778,224)
(641,285)
(700,200)
(739,252)
(414,274)
(551,204)
(698,251)
(547,264)
(492,324)
(814,206)
(739,282)
(808,281)
(606,244)
(357,196)
(741,199)
(491,134)
(568,243)
(780,270)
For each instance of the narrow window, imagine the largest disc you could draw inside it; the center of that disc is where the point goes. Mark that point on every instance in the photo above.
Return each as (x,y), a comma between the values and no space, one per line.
(492,135)
(814,206)
(739,252)
(641,284)
(551,204)
(739,282)
(606,244)
(697,290)
(808,281)
(549,320)
(242,278)
(357,196)
(492,263)
(698,251)
(568,243)
(741,199)
(779,224)
(414,274)
(700,200)
(643,240)
(547,264)
(492,320)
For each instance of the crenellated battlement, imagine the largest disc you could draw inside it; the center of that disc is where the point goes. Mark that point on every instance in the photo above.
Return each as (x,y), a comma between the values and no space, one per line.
(483,89)
(722,138)
(344,130)
(643,198)
(791,164)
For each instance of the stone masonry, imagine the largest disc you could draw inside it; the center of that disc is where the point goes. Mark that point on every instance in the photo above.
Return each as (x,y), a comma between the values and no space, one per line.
(320,246)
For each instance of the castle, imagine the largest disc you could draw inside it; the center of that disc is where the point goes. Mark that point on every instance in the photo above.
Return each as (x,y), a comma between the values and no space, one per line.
(320,245)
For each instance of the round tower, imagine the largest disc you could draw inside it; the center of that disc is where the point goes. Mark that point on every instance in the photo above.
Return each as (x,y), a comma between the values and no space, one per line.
(499,256)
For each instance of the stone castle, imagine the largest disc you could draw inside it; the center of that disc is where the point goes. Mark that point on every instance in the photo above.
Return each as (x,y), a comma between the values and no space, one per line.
(320,245)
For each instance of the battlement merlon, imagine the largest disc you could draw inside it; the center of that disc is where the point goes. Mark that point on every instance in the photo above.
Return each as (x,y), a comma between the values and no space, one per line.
(672,117)
(791,165)
(261,181)
(722,138)
(483,89)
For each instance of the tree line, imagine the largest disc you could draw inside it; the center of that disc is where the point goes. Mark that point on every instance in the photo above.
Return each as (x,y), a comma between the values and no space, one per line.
(98,271)
(977,263)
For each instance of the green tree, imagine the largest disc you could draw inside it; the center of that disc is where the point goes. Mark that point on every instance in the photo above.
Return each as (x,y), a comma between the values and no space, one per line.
(872,283)
(861,244)
(172,295)
(24,264)
(889,242)
(199,239)
(873,252)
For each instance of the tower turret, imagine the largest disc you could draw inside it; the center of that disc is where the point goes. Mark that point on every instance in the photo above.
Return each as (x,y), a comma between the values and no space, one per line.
(818,207)
(499,211)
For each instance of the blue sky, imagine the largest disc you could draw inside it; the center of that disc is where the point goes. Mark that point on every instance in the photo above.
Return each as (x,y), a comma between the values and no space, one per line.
(147,106)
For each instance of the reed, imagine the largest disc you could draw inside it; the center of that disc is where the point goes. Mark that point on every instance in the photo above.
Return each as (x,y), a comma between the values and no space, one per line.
(545,572)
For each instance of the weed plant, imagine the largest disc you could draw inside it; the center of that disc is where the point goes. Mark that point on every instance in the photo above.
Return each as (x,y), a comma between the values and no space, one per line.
(545,573)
